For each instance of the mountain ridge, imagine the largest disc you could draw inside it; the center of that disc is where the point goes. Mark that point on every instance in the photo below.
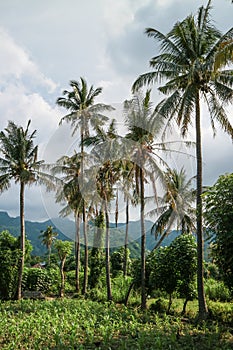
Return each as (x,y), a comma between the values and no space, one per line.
(66,231)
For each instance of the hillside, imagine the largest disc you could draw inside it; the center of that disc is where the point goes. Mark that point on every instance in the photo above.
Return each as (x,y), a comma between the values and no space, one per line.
(66,229)
(33,230)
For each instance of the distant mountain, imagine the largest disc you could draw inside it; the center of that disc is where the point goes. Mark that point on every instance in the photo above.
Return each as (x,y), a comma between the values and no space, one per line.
(33,230)
(66,230)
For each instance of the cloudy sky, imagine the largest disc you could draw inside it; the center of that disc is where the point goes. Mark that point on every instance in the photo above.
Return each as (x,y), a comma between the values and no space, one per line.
(45,44)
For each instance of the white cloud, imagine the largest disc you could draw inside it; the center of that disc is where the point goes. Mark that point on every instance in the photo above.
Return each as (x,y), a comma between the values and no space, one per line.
(49,43)
(16,64)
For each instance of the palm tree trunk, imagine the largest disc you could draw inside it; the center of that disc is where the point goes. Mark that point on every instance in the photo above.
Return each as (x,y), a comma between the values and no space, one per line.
(77,251)
(203,311)
(62,288)
(22,241)
(143,242)
(85,279)
(128,293)
(107,255)
(125,266)
(49,257)
(117,209)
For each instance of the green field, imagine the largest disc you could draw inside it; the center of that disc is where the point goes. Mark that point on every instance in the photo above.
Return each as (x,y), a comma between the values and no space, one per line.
(82,324)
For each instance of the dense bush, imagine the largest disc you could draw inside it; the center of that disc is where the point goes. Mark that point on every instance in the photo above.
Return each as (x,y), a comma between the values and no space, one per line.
(9,256)
(217,290)
(44,280)
(173,268)
(117,261)
(218,216)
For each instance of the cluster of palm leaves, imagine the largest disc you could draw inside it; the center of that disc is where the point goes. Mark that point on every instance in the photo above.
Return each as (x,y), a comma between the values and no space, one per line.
(91,180)
(194,62)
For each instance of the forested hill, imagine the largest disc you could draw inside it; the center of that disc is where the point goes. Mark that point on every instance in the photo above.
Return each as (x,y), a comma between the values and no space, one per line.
(66,229)
(33,230)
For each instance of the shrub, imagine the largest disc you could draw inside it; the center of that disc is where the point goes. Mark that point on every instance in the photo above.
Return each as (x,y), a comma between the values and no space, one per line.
(9,256)
(44,280)
(217,290)
(160,305)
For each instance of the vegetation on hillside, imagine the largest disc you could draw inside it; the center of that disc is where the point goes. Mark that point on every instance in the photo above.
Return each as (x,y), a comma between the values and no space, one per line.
(163,298)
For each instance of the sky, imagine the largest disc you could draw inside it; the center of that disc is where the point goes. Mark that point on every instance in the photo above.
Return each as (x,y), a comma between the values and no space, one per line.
(45,44)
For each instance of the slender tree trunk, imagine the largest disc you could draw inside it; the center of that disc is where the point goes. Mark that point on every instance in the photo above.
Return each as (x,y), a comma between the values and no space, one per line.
(117,209)
(85,279)
(203,311)
(128,293)
(169,303)
(99,236)
(77,251)
(22,241)
(107,255)
(96,261)
(184,306)
(125,266)
(143,242)
(62,288)
(49,255)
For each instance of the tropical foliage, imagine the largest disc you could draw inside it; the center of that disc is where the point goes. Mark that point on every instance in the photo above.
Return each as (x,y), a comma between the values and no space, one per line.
(177,210)
(18,162)
(107,163)
(10,255)
(193,63)
(63,249)
(218,216)
(48,236)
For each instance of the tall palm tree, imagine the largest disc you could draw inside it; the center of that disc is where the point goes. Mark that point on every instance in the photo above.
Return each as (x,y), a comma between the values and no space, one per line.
(176,206)
(106,172)
(130,197)
(83,113)
(48,236)
(18,162)
(70,168)
(143,126)
(187,64)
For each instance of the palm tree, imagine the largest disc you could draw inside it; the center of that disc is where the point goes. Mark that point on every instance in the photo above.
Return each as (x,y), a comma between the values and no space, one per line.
(83,113)
(187,64)
(48,236)
(130,197)
(70,168)
(143,126)
(18,162)
(106,173)
(176,206)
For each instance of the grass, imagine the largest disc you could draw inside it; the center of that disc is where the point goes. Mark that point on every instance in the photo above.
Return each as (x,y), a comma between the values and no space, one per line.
(83,324)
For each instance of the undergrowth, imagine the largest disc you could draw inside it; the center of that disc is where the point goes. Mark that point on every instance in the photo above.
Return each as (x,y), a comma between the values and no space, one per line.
(83,324)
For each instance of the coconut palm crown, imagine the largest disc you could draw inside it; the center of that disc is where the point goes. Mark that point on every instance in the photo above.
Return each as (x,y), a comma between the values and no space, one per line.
(19,163)
(83,111)
(194,62)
